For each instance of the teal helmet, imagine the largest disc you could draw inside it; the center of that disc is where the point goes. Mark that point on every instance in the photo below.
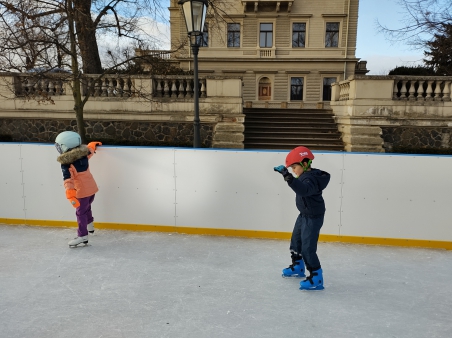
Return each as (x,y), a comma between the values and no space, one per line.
(67,140)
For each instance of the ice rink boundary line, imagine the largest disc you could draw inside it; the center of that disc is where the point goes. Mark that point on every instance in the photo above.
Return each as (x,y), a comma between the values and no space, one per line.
(402,242)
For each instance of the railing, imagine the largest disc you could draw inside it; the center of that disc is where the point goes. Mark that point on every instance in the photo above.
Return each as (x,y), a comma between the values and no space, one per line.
(344,90)
(265,53)
(115,85)
(421,89)
(394,87)
(177,86)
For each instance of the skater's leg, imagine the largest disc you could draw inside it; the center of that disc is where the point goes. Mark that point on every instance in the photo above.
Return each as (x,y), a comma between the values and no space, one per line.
(82,216)
(295,241)
(89,215)
(310,235)
(310,231)
(296,269)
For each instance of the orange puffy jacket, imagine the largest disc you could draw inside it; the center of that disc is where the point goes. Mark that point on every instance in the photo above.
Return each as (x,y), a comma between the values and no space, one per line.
(76,173)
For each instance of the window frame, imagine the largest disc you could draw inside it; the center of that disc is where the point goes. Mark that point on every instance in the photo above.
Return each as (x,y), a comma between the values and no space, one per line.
(338,34)
(263,22)
(303,87)
(239,33)
(305,33)
(204,37)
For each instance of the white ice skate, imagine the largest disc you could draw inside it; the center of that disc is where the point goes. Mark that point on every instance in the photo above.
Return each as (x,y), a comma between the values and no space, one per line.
(78,240)
(91,228)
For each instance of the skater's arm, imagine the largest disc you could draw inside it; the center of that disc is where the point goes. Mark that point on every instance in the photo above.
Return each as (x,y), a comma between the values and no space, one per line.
(92,146)
(71,193)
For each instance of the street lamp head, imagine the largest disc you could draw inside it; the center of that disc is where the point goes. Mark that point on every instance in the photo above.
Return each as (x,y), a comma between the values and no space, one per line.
(195,15)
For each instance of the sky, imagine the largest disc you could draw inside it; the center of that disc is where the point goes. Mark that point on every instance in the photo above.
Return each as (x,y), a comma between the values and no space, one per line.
(373,47)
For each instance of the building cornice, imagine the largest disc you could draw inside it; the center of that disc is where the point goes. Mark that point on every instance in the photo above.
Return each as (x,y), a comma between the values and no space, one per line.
(334,15)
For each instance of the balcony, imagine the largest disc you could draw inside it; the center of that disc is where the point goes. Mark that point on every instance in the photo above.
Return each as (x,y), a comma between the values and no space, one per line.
(279,6)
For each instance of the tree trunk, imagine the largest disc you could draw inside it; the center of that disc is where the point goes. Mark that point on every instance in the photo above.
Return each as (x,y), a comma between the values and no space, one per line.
(76,83)
(86,37)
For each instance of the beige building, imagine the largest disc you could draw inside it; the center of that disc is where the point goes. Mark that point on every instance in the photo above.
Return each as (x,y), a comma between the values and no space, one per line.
(287,52)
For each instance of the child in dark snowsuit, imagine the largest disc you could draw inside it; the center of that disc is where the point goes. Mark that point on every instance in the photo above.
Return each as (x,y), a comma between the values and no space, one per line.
(308,185)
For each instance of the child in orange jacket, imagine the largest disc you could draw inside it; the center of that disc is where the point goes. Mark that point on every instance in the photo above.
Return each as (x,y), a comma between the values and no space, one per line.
(79,183)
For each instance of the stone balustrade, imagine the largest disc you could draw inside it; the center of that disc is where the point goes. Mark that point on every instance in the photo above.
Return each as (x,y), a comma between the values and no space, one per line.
(421,89)
(178,86)
(158,102)
(379,113)
(109,85)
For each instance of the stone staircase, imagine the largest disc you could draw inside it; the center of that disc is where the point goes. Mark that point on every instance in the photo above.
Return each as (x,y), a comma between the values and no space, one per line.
(288,128)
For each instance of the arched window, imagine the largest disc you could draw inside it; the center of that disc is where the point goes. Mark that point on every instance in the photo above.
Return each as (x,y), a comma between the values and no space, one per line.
(265,89)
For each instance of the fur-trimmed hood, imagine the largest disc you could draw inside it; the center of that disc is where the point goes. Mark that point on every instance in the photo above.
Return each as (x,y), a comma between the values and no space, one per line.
(74,154)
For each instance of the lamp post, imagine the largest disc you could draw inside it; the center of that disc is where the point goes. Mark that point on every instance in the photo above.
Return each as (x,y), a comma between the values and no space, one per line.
(195,15)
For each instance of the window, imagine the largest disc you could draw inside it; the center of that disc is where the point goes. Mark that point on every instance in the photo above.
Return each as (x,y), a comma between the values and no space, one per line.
(298,34)
(203,39)
(296,88)
(332,34)
(233,35)
(327,82)
(266,35)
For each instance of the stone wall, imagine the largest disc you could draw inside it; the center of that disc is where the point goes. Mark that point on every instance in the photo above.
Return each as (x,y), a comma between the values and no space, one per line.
(139,132)
(416,138)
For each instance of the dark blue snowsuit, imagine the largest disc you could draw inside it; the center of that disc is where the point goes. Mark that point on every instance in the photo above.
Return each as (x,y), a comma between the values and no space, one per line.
(308,188)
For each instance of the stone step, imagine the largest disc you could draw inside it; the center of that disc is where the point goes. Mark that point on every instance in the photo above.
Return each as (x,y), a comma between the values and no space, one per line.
(290,124)
(293,118)
(291,129)
(289,146)
(288,135)
(282,110)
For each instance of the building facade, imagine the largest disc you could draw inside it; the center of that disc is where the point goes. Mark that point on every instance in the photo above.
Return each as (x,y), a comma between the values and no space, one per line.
(288,53)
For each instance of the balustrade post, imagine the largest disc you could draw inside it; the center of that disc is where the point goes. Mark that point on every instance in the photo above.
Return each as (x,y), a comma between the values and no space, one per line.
(119,91)
(51,88)
(395,91)
(403,90)
(104,87)
(446,91)
(173,88)
(189,89)
(58,86)
(420,91)
(165,88)
(110,87)
(428,96)
(159,88)
(437,96)
(411,91)
(181,89)
(203,88)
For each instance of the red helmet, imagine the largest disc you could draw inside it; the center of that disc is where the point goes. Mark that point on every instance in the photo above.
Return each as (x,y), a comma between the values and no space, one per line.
(297,155)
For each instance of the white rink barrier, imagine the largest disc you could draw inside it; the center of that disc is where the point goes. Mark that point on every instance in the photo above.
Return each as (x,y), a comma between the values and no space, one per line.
(372,198)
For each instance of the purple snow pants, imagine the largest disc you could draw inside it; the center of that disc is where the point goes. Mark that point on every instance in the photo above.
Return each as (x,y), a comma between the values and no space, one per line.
(84,215)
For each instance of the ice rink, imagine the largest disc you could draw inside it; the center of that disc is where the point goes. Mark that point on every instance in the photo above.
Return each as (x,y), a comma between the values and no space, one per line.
(145,284)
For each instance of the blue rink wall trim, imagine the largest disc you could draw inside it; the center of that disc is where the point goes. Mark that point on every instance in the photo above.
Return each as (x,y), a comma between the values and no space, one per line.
(237,233)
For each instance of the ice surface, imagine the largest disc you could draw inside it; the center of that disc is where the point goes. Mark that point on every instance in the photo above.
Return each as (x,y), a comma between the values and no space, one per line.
(142,284)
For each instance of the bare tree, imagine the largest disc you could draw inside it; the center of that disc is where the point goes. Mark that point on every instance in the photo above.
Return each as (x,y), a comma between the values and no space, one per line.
(421,21)
(44,36)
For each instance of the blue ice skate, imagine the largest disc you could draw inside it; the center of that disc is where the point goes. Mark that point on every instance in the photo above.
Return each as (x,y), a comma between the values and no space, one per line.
(313,282)
(296,269)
